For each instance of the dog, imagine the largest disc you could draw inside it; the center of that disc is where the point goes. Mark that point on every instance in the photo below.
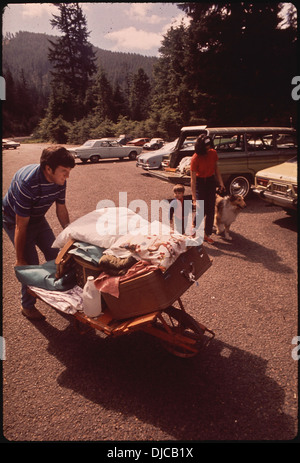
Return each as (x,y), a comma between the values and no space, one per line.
(226,212)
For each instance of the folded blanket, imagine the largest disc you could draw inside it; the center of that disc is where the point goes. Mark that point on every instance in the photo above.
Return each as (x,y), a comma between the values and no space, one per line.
(159,250)
(88,252)
(69,301)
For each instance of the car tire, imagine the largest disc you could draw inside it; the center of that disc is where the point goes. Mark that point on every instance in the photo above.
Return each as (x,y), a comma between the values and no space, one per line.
(132,155)
(239,185)
(94,158)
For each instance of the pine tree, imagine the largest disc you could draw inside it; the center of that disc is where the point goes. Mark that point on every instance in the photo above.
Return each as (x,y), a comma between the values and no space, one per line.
(238,57)
(140,96)
(103,95)
(120,108)
(227,66)
(171,73)
(9,106)
(26,107)
(73,62)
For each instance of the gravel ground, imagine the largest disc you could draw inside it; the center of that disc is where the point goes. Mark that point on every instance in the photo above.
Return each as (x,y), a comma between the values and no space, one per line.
(59,385)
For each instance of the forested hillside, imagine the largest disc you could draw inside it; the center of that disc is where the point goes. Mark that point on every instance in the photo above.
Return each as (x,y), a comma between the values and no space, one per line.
(28,52)
(232,65)
(26,68)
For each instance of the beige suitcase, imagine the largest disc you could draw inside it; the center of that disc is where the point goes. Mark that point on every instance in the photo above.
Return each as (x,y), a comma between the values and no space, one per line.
(157,290)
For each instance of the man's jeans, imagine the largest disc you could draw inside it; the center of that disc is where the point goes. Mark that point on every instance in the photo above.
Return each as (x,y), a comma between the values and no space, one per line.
(38,234)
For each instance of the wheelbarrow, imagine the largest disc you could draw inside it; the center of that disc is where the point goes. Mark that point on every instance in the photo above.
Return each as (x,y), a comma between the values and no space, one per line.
(147,304)
(179,333)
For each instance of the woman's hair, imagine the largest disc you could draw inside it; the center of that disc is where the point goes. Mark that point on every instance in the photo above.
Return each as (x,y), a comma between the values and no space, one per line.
(55,156)
(201,144)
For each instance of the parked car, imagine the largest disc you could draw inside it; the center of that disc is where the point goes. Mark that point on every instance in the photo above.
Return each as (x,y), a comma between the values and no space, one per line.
(188,145)
(9,144)
(242,152)
(105,148)
(123,139)
(153,159)
(278,185)
(138,141)
(154,144)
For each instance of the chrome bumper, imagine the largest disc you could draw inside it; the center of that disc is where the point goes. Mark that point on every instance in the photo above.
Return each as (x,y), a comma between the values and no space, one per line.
(276,199)
(146,167)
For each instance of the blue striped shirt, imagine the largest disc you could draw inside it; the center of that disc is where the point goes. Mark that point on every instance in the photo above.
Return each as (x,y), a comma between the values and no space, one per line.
(30,194)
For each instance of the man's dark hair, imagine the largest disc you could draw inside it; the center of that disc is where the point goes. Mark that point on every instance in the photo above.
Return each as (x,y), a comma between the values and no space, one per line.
(55,156)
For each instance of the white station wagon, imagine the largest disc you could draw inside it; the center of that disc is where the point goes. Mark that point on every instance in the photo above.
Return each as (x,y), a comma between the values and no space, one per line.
(105,148)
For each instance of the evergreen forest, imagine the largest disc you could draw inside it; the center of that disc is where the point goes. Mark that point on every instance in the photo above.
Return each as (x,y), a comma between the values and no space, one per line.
(232,65)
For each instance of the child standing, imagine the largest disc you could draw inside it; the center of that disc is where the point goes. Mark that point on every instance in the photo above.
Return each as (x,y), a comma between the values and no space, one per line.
(178,216)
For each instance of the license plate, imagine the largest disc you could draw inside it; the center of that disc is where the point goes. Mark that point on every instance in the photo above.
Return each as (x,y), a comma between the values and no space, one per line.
(280,188)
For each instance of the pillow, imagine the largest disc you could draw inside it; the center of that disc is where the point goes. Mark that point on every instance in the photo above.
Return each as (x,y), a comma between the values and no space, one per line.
(101,227)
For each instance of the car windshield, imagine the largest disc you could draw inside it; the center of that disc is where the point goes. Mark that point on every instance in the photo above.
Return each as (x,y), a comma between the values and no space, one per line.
(167,148)
(88,143)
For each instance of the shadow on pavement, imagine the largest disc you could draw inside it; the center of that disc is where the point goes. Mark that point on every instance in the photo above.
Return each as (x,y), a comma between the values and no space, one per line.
(243,248)
(222,394)
(288,222)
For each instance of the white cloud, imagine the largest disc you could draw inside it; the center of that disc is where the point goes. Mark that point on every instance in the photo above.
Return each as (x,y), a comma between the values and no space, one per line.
(33,10)
(141,40)
(181,18)
(141,12)
(129,27)
(134,39)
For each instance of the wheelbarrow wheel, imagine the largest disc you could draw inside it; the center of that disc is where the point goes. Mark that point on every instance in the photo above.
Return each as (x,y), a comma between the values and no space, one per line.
(190,332)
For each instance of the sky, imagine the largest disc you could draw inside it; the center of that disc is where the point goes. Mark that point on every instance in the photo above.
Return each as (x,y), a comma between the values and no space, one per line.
(124,27)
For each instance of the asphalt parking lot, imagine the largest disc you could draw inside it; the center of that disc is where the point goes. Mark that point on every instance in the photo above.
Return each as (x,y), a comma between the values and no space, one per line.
(59,385)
